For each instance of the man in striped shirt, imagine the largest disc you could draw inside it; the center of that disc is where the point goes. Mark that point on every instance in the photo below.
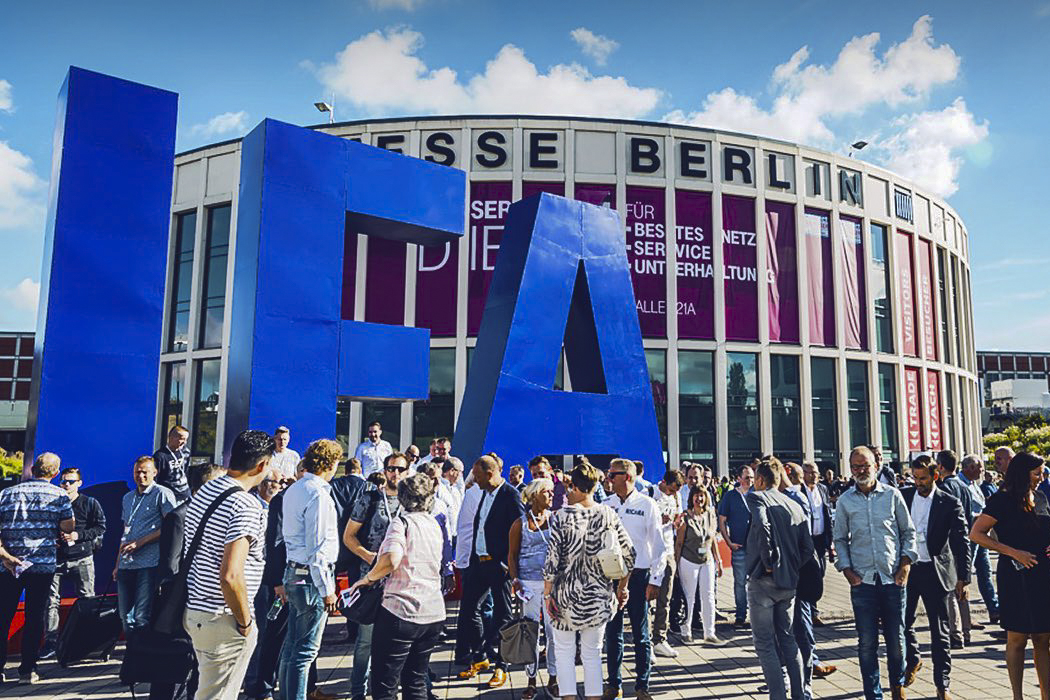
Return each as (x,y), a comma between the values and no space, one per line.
(224,575)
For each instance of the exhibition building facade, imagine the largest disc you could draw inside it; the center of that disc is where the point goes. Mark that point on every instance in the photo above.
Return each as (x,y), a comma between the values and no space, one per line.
(790,300)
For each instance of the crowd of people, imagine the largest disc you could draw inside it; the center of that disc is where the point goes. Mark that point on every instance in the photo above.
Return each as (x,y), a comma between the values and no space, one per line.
(581,552)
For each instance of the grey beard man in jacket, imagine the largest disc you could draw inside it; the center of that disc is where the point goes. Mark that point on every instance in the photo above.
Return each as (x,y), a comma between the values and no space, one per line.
(778,543)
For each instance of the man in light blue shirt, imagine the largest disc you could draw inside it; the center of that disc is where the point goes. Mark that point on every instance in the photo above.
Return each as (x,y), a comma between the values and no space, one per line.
(972,475)
(311,537)
(875,543)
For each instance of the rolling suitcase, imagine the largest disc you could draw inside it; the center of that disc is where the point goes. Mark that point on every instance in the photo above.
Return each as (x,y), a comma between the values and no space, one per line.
(92,627)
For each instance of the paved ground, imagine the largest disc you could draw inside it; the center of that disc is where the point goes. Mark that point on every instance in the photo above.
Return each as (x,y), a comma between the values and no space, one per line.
(730,671)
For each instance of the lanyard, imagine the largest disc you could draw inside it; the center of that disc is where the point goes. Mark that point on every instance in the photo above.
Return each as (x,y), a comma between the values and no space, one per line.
(386,509)
(135,509)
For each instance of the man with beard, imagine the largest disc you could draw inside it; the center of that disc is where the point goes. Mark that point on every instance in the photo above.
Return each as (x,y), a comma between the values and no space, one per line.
(875,544)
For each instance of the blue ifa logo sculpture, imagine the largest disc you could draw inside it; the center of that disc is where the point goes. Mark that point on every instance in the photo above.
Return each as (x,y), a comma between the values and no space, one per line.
(561,279)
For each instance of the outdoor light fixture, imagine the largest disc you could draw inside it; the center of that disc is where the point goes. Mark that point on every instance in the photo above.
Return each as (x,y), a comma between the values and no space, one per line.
(855,146)
(325,107)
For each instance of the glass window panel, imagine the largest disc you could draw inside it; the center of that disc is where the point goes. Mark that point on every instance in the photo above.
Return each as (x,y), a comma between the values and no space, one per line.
(880,285)
(785,392)
(213,296)
(696,406)
(206,408)
(657,363)
(342,426)
(174,395)
(888,411)
(22,391)
(742,407)
(435,417)
(181,279)
(942,289)
(857,396)
(825,412)
(388,413)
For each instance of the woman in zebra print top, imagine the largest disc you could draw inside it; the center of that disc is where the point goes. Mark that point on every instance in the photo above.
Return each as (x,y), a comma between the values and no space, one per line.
(579,597)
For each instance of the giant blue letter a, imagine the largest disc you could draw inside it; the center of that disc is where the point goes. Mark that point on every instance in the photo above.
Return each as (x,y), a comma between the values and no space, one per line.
(562,275)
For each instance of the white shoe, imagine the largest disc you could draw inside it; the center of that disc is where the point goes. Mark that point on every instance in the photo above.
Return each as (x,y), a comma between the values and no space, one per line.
(665,649)
(713,641)
(686,635)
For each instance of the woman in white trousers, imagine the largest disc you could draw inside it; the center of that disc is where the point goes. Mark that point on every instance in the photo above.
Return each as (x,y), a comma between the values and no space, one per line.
(696,550)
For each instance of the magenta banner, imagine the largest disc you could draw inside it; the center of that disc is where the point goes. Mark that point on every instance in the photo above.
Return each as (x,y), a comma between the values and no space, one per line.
(817,235)
(530,188)
(929,317)
(647,256)
(739,262)
(694,274)
(489,202)
(933,409)
(602,195)
(781,272)
(349,275)
(436,276)
(385,281)
(907,294)
(854,297)
(913,405)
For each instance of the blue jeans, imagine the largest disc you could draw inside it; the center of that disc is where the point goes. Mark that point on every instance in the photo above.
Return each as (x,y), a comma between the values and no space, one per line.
(983,567)
(135,591)
(740,583)
(302,641)
(802,627)
(362,661)
(872,603)
(637,609)
(771,632)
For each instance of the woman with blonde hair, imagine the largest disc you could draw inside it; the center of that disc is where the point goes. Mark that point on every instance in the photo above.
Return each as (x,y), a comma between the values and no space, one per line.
(579,596)
(528,551)
(696,551)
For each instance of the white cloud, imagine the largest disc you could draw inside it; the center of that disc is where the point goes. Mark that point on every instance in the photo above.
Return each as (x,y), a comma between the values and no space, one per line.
(596,46)
(21,190)
(809,101)
(6,102)
(406,5)
(226,123)
(23,296)
(382,74)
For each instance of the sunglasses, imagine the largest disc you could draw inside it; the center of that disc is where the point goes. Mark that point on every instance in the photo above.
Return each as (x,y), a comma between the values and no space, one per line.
(613,475)
(397,469)
(66,482)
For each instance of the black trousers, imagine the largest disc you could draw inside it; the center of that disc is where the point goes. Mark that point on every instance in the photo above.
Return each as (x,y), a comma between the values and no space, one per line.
(37,588)
(924,585)
(401,655)
(268,654)
(480,578)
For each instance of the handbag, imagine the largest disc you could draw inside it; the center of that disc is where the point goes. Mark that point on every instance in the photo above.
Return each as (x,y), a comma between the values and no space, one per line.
(170,604)
(364,604)
(611,557)
(518,638)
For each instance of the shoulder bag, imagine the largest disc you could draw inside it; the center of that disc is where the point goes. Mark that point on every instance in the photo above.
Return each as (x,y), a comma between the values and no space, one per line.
(170,604)
(614,567)
(362,606)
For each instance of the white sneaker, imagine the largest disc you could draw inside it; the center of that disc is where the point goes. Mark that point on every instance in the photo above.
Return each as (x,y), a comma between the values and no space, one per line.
(713,641)
(665,649)
(686,635)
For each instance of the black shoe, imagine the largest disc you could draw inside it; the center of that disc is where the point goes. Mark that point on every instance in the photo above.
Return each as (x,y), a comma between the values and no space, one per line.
(958,644)
(47,652)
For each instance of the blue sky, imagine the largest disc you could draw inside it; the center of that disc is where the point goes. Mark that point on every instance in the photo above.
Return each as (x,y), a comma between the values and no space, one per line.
(948,93)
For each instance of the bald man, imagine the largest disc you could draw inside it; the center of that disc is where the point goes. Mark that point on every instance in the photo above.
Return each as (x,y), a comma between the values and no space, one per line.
(499,507)
(1003,455)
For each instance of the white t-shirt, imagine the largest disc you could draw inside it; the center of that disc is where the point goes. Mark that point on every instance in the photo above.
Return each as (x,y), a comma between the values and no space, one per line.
(285,462)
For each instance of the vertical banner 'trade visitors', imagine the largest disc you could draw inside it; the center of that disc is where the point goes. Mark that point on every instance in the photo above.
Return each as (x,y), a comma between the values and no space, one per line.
(907,293)
(913,405)
(739,260)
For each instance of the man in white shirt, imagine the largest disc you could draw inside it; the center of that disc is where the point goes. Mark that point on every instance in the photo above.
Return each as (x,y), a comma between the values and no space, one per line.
(310,529)
(670,508)
(285,459)
(641,518)
(373,451)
